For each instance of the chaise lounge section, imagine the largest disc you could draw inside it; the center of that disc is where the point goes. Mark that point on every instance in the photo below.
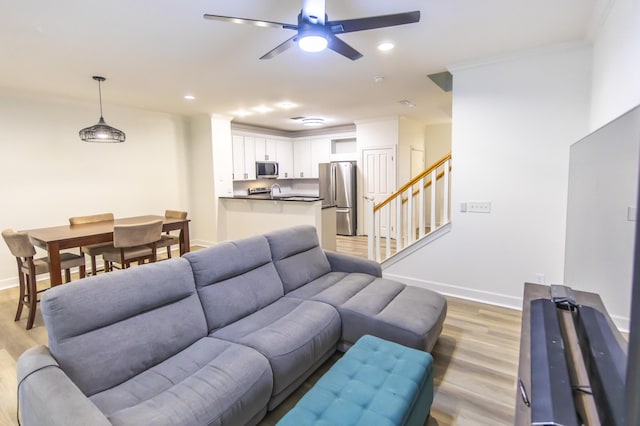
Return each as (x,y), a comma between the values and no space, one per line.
(219,336)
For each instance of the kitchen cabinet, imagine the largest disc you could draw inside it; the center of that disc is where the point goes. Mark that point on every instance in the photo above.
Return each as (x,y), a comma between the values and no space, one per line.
(266,149)
(307,154)
(302,158)
(320,153)
(284,156)
(244,157)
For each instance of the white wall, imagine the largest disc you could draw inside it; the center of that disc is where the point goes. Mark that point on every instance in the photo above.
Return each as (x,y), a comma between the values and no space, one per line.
(411,134)
(48,174)
(438,142)
(603,185)
(202,210)
(616,64)
(513,122)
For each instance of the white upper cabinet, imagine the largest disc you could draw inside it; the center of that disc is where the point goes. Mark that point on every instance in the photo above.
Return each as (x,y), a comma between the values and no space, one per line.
(297,158)
(320,153)
(244,157)
(307,154)
(302,158)
(284,156)
(266,149)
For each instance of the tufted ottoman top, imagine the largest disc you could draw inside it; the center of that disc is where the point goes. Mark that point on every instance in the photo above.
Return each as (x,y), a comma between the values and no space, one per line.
(376,382)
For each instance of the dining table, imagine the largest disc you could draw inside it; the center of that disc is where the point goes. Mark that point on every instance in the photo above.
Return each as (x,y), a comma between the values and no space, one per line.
(56,238)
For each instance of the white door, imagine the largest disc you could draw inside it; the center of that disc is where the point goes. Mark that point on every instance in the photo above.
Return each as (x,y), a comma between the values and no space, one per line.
(379,171)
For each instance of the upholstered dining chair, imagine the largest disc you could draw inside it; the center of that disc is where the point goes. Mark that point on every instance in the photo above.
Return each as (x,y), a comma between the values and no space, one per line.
(169,239)
(133,243)
(93,250)
(22,248)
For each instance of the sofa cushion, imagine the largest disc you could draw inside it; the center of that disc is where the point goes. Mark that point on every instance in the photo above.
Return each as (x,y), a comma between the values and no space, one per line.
(211,382)
(334,288)
(370,305)
(105,329)
(235,279)
(292,334)
(411,316)
(297,256)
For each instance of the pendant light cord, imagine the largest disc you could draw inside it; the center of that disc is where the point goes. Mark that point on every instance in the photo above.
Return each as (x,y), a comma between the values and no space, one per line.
(100,95)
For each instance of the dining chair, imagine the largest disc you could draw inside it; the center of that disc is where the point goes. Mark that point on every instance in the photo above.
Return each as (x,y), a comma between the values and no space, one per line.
(22,248)
(133,243)
(169,239)
(93,250)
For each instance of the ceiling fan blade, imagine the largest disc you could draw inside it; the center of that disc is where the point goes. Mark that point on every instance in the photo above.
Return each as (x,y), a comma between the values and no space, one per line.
(342,48)
(280,48)
(256,22)
(372,22)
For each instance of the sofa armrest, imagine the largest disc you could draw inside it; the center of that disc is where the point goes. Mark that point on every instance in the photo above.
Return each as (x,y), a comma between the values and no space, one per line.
(47,396)
(345,263)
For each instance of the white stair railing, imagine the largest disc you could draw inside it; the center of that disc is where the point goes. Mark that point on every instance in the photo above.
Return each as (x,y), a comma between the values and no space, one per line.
(423,200)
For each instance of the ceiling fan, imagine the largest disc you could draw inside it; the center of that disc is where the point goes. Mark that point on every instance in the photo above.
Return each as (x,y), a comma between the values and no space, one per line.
(314,32)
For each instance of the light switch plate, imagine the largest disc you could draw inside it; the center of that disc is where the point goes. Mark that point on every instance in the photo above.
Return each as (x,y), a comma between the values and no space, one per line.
(479,206)
(632,214)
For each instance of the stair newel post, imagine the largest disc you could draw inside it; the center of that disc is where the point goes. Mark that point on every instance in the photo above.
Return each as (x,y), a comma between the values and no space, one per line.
(410,231)
(388,228)
(445,194)
(434,182)
(421,209)
(371,228)
(399,241)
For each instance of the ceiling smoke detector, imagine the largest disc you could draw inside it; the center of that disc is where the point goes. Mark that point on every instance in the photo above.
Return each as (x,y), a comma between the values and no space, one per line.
(407,103)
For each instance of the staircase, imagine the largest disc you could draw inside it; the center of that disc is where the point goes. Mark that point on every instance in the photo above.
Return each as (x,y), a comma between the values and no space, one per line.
(417,212)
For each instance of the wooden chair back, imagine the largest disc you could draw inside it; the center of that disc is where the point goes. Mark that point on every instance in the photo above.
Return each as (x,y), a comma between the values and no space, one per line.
(19,243)
(131,235)
(79,220)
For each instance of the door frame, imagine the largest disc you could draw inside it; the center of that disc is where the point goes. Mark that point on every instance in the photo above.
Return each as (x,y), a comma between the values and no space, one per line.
(393,176)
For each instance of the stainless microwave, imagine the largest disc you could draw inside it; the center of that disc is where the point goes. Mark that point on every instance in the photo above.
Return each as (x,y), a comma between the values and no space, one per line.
(266,169)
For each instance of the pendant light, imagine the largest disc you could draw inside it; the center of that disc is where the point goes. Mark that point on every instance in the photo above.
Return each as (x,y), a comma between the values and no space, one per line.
(101,132)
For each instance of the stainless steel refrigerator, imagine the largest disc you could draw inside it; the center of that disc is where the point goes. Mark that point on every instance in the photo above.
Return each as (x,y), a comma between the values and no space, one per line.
(338,187)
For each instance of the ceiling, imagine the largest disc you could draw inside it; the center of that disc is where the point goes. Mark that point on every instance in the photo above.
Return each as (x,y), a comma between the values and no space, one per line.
(154,52)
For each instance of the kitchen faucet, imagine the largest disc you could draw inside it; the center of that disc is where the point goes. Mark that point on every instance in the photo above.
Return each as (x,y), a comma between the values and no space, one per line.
(275,185)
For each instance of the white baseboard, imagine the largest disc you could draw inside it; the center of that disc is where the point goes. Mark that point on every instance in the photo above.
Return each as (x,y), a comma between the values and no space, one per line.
(497,299)
(482,296)
(8,283)
(622,323)
(202,243)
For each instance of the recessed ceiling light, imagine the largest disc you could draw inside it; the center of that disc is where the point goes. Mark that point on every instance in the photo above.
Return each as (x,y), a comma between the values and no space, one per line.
(241,113)
(386,46)
(286,105)
(312,122)
(262,109)
(189,97)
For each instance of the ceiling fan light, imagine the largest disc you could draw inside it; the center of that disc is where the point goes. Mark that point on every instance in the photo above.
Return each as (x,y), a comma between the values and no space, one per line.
(313,43)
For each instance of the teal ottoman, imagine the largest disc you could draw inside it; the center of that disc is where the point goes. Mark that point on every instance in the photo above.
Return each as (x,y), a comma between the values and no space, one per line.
(376,382)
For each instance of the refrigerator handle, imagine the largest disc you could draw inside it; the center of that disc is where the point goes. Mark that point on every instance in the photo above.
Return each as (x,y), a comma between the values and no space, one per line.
(333,184)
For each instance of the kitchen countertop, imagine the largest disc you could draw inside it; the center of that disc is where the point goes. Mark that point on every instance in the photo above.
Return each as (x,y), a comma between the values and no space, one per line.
(283,197)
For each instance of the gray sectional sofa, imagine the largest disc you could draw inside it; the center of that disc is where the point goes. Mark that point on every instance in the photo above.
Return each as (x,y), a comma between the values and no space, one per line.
(219,336)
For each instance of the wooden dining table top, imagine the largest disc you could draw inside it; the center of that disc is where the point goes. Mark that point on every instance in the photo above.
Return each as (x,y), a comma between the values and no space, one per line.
(56,238)
(66,232)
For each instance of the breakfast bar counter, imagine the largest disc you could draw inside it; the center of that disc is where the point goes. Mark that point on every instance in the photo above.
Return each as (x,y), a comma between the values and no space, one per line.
(248,215)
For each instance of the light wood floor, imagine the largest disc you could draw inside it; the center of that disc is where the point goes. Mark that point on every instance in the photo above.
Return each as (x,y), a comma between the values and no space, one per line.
(475,360)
